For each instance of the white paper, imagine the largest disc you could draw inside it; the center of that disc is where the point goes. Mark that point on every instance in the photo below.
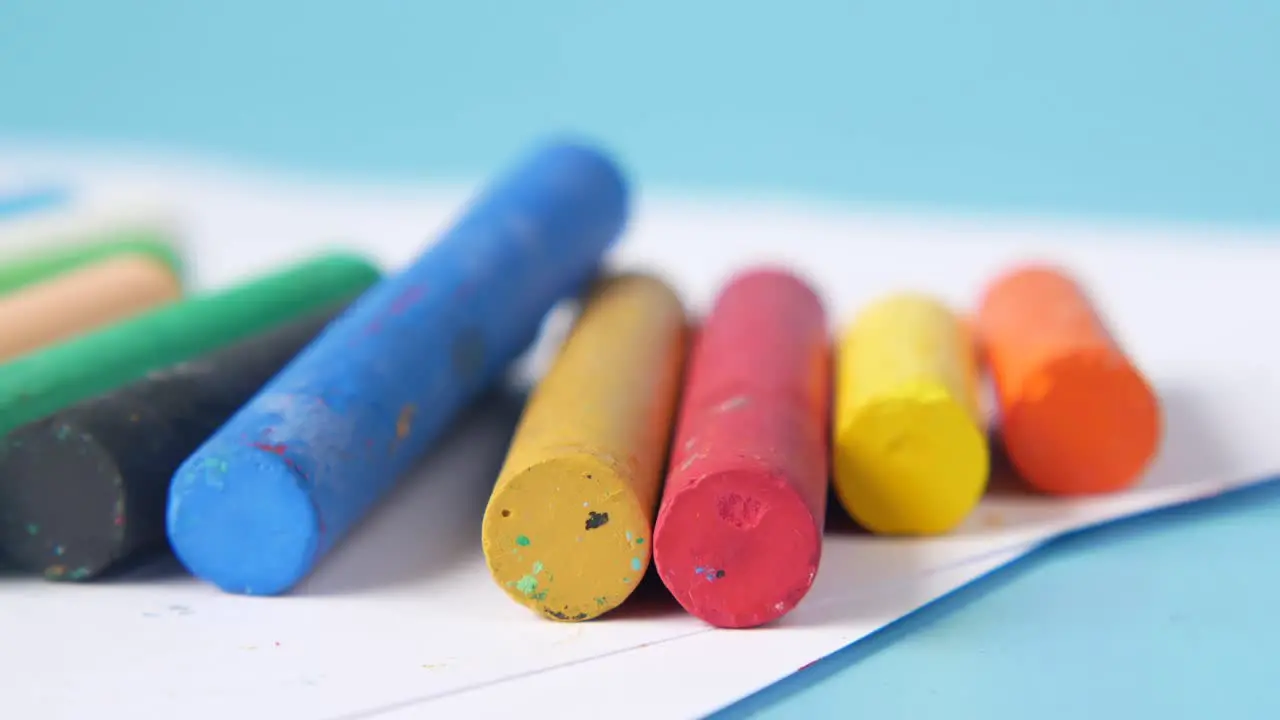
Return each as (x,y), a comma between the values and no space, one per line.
(403,620)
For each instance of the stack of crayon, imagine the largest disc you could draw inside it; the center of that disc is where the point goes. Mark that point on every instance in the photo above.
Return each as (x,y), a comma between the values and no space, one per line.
(250,428)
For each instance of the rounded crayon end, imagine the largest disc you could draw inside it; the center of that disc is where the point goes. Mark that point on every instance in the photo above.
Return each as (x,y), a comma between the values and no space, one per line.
(241,518)
(1085,423)
(738,548)
(63,504)
(567,538)
(578,168)
(777,280)
(912,463)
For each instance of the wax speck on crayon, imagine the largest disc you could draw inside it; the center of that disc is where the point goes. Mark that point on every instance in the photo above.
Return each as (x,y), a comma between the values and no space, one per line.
(404,423)
(407,298)
(63,432)
(522,540)
(562,616)
(709,574)
(595,520)
(628,536)
(33,529)
(279,449)
(527,585)
(214,463)
(59,550)
(734,403)
(639,541)
(691,460)
(635,564)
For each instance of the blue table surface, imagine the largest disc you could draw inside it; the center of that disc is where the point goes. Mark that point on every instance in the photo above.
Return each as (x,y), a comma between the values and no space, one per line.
(1160,109)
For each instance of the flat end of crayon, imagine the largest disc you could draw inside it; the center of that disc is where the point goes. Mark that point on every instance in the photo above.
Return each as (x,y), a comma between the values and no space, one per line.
(63,509)
(1084,424)
(240,518)
(567,538)
(911,463)
(738,548)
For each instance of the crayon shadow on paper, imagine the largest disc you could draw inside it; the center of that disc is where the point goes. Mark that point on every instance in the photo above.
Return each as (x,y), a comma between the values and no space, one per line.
(861,577)
(1128,535)
(651,600)
(1193,449)
(427,524)
(864,577)
(431,522)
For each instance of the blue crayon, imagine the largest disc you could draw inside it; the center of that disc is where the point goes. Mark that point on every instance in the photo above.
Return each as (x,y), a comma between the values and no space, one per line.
(256,507)
(36,199)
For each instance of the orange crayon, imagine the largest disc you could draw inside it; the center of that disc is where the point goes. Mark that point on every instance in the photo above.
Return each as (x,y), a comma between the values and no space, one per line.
(1076,414)
(83,299)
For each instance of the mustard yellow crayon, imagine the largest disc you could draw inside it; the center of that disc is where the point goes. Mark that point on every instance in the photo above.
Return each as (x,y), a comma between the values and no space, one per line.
(567,529)
(910,452)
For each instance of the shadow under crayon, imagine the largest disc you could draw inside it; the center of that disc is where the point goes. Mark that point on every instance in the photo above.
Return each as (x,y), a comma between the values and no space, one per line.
(866,577)
(431,522)
(861,576)
(1263,496)
(1192,449)
(650,600)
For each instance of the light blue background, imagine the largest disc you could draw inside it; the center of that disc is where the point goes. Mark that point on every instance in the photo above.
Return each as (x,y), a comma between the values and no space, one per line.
(1139,109)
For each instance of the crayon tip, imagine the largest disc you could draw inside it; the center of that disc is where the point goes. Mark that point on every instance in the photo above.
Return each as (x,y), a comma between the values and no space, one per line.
(261,496)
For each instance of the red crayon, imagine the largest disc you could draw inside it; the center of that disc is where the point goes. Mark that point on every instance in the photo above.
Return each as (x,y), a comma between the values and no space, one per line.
(739,529)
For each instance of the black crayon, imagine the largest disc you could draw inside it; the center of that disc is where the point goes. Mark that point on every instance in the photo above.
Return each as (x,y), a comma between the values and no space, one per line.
(85,489)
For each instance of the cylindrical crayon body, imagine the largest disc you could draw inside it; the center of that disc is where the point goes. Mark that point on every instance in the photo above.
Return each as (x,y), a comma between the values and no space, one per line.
(258,505)
(57,376)
(739,531)
(1076,415)
(567,531)
(36,264)
(84,490)
(82,300)
(911,454)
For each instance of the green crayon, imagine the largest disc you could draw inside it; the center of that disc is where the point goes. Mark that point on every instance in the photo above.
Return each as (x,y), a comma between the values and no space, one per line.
(18,271)
(48,380)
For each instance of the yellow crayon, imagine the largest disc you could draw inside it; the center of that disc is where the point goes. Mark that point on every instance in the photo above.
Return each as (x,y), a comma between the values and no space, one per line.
(910,452)
(567,529)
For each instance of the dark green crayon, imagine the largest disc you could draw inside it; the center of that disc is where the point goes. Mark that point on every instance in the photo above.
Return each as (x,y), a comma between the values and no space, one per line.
(32,266)
(83,490)
(45,381)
